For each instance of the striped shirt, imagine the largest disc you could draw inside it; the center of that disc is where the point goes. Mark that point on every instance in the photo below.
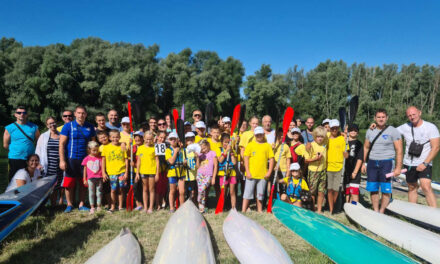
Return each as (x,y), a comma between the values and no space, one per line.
(53,157)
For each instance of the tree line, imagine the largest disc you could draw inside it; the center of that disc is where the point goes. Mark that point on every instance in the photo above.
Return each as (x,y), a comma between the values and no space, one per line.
(102,75)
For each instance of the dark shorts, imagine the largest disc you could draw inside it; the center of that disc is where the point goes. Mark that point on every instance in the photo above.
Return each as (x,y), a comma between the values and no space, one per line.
(175,179)
(191,186)
(412,175)
(74,168)
(146,176)
(376,171)
(14,166)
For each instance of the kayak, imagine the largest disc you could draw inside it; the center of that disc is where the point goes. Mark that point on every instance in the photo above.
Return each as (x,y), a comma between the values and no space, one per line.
(250,242)
(17,204)
(435,185)
(340,243)
(421,213)
(185,238)
(419,241)
(122,249)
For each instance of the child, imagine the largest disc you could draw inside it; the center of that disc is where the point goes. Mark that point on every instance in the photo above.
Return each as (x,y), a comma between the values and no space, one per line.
(115,168)
(283,162)
(148,169)
(192,152)
(207,166)
(137,184)
(106,190)
(256,157)
(353,164)
(176,171)
(294,185)
(93,175)
(336,153)
(215,145)
(316,159)
(161,186)
(200,129)
(228,157)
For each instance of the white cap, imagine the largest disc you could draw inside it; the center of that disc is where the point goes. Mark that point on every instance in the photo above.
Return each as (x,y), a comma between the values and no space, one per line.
(295,166)
(187,123)
(125,119)
(334,123)
(200,124)
(140,133)
(226,119)
(189,134)
(326,121)
(173,135)
(258,130)
(295,129)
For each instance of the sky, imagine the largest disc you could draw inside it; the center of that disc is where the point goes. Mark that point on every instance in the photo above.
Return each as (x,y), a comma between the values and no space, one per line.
(279,33)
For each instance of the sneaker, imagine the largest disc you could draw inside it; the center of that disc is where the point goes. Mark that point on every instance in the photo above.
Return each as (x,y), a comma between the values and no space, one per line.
(138,208)
(68,209)
(172,210)
(83,208)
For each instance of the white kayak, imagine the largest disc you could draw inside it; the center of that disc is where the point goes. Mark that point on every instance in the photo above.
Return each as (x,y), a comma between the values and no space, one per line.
(250,242)
(421,213)
(185,238)
(123,249)
(419,241)
(435,185)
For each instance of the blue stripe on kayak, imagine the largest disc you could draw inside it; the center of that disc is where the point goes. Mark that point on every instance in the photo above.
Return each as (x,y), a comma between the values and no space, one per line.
(16,203)
(5,232)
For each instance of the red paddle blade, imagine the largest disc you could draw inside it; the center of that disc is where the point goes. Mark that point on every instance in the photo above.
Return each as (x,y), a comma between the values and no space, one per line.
(221,202)
(129,116)
(288,115)
(235,117)
(269,204)
(175,117)
(129,201)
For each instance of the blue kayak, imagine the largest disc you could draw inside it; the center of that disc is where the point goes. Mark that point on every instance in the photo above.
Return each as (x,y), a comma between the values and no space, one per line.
(17,204)
(340,243)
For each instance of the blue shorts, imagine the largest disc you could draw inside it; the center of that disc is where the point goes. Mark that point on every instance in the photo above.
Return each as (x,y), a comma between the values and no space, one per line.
(376,170)
(117,181)
(175,179)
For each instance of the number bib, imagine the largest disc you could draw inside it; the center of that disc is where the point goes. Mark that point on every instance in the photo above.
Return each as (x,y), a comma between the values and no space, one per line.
(160,149)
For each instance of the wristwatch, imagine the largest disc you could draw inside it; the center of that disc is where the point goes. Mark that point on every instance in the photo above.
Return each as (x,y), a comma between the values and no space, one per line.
(426,164)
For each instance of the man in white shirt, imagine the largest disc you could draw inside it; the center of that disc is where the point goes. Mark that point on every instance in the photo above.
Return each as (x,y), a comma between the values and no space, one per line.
(419,163)
(268,131)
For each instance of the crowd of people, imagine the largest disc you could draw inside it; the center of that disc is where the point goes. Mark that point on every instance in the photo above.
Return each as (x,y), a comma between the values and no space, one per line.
(105,158)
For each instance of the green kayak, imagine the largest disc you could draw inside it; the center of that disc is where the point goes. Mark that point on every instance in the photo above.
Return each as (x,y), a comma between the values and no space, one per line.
(338,242)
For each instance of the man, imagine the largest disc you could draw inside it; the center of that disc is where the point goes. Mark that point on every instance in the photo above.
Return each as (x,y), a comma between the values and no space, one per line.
(100,123)
(74,138)
(307,133)
(382,145)
(268,131)
(67,117)
(197,116)
(19,140)
(113,122)
(419,165)
(153,124)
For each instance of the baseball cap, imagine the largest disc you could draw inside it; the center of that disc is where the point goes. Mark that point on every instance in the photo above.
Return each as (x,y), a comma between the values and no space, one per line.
(226,119)
(125,119)
(173,135)
(295,129)
(140,133)
(189,134)
(258,130)
(294,166)
(334,123)
(326,121)
(353,127)
(200,124)
(187,123)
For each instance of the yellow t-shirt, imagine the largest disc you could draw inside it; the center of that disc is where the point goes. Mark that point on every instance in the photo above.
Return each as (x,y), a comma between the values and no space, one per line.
(300,150)
(318,165)
(259,154)
(222,166)
(60,128)
(147,158)
(102,147)
(214,146)
(284,156)
(335,153)
(115,159)
(246,138)
(172,169)
(198,139)
(125,139)
(296,181)
(191,157)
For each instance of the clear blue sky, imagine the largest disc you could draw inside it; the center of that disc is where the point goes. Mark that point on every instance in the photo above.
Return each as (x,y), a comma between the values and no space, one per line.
(281,34)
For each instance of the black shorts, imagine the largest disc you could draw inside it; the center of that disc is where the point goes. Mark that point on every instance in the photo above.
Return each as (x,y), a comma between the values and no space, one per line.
(191,186)
(74,168)
(412,175)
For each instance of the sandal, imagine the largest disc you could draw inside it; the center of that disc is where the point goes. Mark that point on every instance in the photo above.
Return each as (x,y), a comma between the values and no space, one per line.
(138,208)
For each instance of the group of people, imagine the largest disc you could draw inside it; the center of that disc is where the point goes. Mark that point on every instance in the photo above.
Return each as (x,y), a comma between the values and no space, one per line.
(106,158)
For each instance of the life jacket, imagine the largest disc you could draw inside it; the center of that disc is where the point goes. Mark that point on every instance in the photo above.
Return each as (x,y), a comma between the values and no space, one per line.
(294,190)
(293,153)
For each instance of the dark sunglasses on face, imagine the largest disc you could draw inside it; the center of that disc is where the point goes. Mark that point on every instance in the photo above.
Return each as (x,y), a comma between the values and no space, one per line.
(21,113)
(197,115)
(68,116)
(162,124)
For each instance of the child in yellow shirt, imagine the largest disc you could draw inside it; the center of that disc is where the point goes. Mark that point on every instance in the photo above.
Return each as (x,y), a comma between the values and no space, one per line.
(294,185)
(176,172)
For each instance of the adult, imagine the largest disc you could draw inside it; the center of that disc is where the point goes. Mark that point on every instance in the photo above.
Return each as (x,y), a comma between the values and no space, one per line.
(113,120)
(307,133)
(67,117)
(268,131)
(248,136)
(100,123)
(419,165)
(48,150)
(27,174)
(292,125)
(168,120)
(197,116)
(298,122)
(161,125)
(153,124)
(73,149)
(18,140)
(382,146)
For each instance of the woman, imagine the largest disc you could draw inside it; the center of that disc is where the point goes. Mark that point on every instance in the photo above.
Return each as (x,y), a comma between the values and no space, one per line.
(292,125)
(26,175)
(48,149)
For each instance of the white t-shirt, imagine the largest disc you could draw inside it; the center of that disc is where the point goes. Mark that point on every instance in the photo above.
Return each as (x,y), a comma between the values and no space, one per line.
(270,138)
(22,174)
(422,134)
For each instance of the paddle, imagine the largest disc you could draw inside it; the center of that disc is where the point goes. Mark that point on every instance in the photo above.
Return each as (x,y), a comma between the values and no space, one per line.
(354,105)
(181,135)
(175,117)
(129,201)
(221,199)
(208,115)
(288,115)
(182,112)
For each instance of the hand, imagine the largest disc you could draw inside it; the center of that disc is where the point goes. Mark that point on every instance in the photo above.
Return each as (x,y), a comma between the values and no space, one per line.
(267,176)
(248,175)
(63,165)
(228,148)
(132,163)
(397,172)
(138,177)
(213,181)
(353,175)
(318,157)
(105,177)
(421,167)
(364,169)
(373,126)
(85,182)
(177,148)
(125,176)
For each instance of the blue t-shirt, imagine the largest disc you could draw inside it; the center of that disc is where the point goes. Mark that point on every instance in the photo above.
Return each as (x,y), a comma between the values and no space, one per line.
(117,127)
(21,147)
(78,138)
(308,137)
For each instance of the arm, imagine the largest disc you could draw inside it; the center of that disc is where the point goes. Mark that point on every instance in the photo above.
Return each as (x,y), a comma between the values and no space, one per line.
(138,166)
(173,159)
(85,175)
(6,139)
(37,134)
(246,165)
(104,173)
(356,168)
(156,178)
(61,150)
(20,182)
(214,173)
(366,149)
(127,165)
(434,142)
(233,159)
(270,170)
(399,156)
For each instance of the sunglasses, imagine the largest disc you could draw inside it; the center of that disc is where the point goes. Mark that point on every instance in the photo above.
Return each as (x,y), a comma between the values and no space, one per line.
(162,124)
(197,115)
(21,113)
(68,116)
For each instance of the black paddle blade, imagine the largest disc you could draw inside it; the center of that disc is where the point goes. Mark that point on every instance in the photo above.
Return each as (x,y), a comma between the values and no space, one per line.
(209,111)
(339,204)
(242,116)
(181,130)
(342,117)
(354,104)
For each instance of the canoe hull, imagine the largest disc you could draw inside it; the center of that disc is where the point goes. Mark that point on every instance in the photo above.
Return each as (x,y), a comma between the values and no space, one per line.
(421,213)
